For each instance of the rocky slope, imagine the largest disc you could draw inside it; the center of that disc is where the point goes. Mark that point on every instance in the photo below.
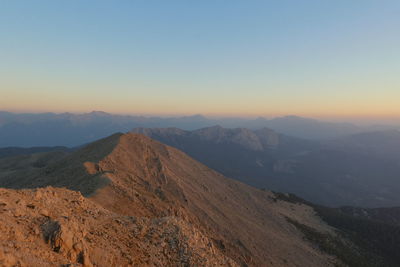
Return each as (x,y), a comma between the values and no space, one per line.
(58,227)
(359,170)
(149,204)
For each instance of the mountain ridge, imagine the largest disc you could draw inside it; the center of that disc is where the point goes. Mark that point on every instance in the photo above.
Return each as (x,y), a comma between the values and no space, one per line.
(148,179)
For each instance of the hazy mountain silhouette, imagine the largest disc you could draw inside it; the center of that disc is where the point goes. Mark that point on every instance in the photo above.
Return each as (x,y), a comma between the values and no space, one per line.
(384,144)
(312,129)
(67,129)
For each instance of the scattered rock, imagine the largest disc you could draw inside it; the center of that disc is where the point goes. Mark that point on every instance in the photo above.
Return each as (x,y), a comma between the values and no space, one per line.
(44,212)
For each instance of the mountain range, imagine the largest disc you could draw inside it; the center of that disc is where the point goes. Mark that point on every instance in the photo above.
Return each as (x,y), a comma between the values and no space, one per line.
(67,129)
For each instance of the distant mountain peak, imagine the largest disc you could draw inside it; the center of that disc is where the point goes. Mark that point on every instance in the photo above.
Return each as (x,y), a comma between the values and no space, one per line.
(196,117)
(295,118)
(99,113)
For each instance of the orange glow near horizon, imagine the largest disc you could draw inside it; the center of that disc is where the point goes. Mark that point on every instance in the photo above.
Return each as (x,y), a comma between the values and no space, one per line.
(261,59)
(328,114)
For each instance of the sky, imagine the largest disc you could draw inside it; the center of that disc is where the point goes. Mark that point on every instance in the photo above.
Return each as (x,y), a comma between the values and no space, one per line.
(312,58)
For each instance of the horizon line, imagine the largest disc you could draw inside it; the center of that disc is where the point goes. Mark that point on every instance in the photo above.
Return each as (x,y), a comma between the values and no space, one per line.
(329,118)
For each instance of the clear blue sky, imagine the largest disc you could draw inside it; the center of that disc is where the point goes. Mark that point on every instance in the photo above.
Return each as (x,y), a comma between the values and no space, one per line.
(316,58)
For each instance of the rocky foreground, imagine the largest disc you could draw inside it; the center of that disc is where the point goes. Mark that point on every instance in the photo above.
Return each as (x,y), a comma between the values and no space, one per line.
(59,227)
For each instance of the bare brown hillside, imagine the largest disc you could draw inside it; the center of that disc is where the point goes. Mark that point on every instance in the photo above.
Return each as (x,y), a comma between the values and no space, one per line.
(152,204)
(58,227)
